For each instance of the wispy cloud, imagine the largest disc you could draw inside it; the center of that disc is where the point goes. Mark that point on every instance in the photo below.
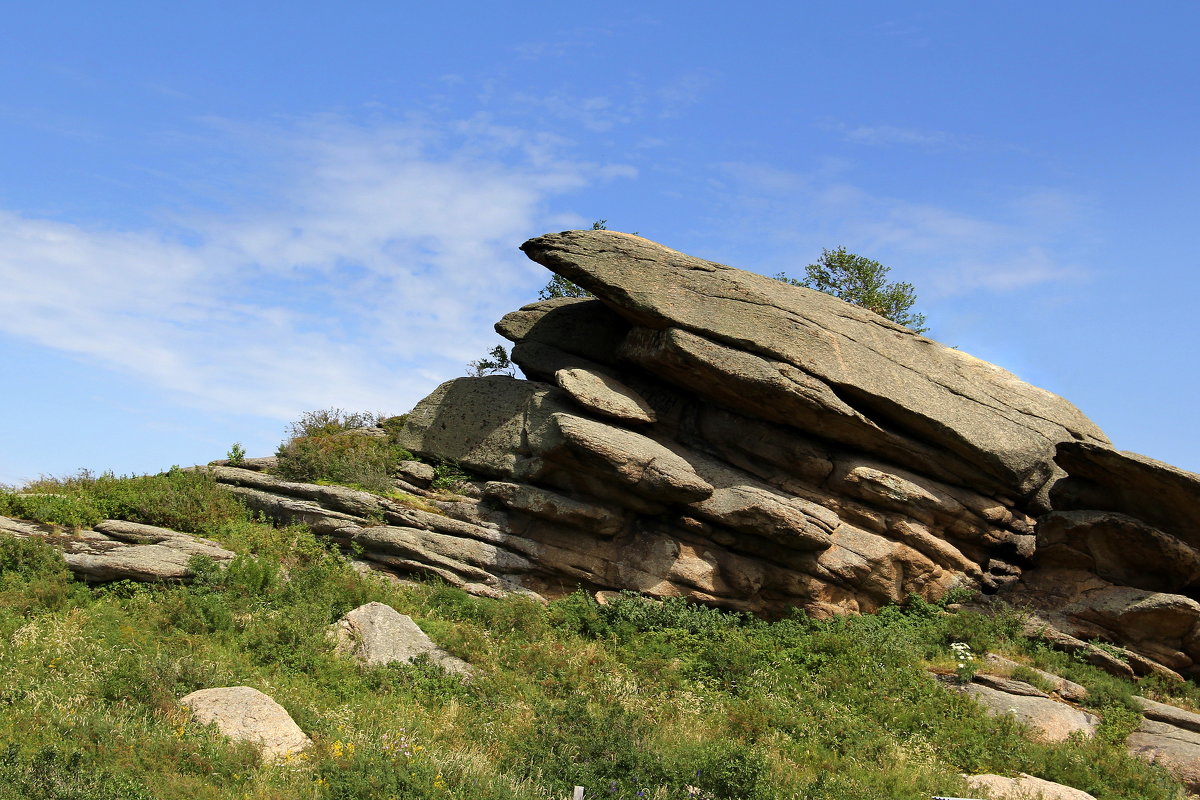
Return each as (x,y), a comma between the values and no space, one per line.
(1032,237)
(372,266)
(890,134)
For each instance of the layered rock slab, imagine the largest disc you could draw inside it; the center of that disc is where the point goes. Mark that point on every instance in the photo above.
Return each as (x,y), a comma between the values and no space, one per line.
(120,550)
(870,378)
(754,445)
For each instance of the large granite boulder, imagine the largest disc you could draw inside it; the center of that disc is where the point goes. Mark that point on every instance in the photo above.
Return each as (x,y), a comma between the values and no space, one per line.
(702,431)
(871,382)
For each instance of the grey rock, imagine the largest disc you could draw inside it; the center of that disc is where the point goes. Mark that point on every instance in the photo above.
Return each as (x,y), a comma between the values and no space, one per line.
(260,464)
(630,460)
(1008,685)
(1168,714)
(341,498)
(1103,479)
(376,633)
(416,473)
(554,507)
(1119,548)
(1067,690)
(119,550)
(582,326)
(245,714)
(483,424)
(604,395)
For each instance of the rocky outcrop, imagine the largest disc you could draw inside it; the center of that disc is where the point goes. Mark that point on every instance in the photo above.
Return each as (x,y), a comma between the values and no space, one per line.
(245,714)
(376,634)
(119,550)
(1118,560)
(700,431)
(1166,735)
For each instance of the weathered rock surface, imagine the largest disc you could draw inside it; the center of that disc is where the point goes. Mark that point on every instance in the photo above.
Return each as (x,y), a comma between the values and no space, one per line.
(1023,787)
(247,715)
(376,633)
(700,431)
(1067,690)
(875,382)
(116,550)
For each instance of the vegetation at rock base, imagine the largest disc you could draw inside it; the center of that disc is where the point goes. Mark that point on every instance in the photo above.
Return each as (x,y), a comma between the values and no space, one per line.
(863,282)
(629,699)
(341,447)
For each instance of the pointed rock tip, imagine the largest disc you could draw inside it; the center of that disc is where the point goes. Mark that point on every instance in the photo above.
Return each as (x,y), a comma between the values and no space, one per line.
(549,241)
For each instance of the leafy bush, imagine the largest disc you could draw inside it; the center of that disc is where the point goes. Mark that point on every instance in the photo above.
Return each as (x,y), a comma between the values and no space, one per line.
(327,421)
(449,476)
(335,446)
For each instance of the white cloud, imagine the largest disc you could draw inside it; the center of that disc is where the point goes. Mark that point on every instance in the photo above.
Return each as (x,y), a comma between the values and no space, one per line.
(890,134)
(1030,238)
(374,266)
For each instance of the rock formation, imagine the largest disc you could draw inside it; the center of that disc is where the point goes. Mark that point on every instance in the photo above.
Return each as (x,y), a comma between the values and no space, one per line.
(696,430)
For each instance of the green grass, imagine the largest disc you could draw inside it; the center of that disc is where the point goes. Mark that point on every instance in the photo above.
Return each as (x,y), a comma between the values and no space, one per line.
(631,699)
(185,501)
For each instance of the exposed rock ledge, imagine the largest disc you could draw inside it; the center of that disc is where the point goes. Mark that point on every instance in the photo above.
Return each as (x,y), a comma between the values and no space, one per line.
(116,550)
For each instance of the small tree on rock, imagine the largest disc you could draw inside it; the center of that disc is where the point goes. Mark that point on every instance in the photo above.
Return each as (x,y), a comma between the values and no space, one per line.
(560,286)
(495,363)
(863,282)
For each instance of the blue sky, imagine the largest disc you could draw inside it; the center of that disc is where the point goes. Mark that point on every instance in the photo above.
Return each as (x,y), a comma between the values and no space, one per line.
(216,216)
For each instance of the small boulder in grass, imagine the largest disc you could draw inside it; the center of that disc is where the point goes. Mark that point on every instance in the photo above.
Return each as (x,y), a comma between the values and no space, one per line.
(245,714)
(1024,787)
(376,633)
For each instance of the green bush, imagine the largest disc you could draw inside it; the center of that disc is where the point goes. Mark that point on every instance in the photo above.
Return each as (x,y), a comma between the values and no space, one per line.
(50,774)
(449,476)
(334,446)
(365,462)
(28,559)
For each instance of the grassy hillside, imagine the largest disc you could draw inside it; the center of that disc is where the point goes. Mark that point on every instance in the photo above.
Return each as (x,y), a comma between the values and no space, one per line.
(631,699)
